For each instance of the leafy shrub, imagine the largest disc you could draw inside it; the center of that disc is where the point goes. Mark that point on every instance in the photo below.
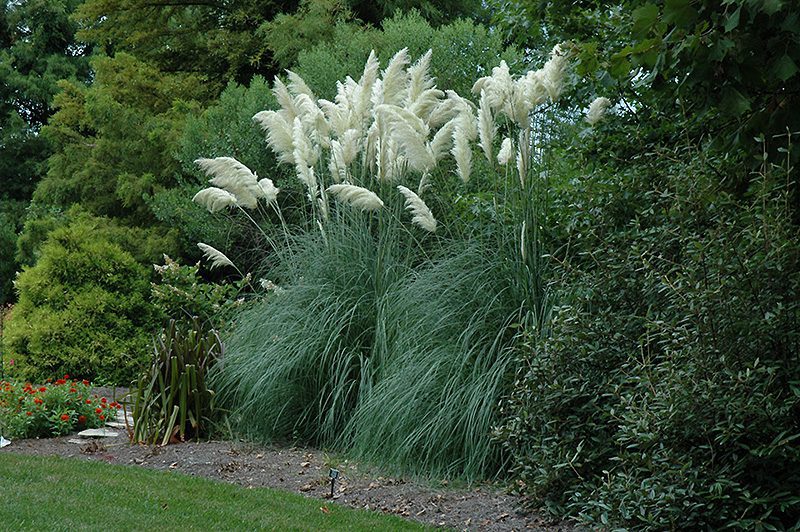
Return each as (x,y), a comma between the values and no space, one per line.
(83,308)
(182,294)
(667,395)
(171,399)
(55,409)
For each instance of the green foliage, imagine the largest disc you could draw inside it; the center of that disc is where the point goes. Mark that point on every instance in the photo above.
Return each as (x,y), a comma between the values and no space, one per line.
(181,294)
(37,49)
(666,395)
(11,215)
(171,398)
(462,52)
(313,23)
(52,410)
(436,11)
(83,308)
(732,67)
(146,245)
(115,140)
(219,40)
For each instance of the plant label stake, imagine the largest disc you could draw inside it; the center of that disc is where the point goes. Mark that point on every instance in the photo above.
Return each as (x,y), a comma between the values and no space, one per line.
(333,474)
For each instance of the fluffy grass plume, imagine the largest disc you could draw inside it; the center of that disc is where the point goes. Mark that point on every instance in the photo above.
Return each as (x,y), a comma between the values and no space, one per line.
(233,176)
(422,215)
(358,197)
(214,199)
(597,110)
(215,256)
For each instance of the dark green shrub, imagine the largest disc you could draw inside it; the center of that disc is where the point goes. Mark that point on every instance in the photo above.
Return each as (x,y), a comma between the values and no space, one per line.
(171,398)
(668,395)
(83,309)
(11,216)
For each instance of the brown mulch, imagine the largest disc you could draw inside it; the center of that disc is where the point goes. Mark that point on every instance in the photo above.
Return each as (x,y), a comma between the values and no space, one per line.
(306,471)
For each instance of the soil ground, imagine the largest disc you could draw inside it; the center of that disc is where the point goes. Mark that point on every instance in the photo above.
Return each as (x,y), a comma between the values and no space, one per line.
(306,471)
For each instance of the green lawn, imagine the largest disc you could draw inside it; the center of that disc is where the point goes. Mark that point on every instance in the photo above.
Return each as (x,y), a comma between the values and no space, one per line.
(48,493)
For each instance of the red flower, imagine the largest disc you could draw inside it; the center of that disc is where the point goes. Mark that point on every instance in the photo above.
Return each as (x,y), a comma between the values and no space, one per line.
(103,400)
(28,414)
(82,420)
(42,389)
(98,410)
(38,401)
(59,382)
(88,401)
(85,382)
(64,417)
(102,417)
(66,377)
(73,390)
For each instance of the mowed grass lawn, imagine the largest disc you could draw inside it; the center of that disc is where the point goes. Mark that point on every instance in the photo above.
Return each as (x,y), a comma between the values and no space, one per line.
(49,493)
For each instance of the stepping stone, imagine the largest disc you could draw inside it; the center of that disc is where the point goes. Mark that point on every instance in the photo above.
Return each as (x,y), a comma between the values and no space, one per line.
(4,442)
(97,433)
(75,440)
(115,424)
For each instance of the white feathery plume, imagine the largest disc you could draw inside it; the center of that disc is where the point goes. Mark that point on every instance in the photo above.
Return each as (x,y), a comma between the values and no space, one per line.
(498,86)
(597,109)
(304,153)
(336,116)
(351,145)
(395,114)
(312,118)
(535,90)
(216,257)
(322,203)
(214,199)
(427,102)
(462,152)
(440,145)
(370,75)
(444,111)
(518,105)
(422,215)
(358,197)
(279,134)
(418,79)
(522,166)
(284,98)
(410,134)
(233,176)
(460,105)
(506,151)
(554,71)
(269,191)
(395,79)
(336,165)
(486,126)
(306,176)
(297,85)
(372,146)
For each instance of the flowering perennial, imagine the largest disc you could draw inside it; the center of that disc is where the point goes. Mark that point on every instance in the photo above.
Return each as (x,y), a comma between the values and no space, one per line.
(28,411)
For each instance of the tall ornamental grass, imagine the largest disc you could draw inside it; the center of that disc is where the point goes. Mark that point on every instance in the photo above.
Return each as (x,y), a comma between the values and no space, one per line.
(386,336)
